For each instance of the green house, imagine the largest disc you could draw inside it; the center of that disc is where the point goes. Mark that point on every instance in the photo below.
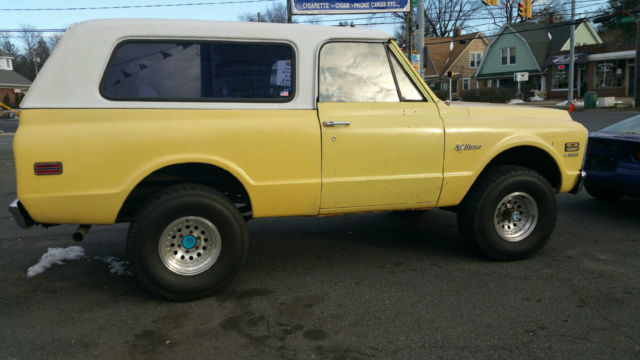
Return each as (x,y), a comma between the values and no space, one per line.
(523,48)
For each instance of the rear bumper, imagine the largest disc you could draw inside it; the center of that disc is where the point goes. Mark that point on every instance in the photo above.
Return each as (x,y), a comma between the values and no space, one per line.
(576,189)
(20,214)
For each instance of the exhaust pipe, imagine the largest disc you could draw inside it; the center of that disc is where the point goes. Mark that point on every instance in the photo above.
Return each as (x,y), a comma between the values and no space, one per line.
(81,232)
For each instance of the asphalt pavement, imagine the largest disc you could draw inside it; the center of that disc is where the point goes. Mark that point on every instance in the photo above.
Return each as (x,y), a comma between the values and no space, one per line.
(371,286)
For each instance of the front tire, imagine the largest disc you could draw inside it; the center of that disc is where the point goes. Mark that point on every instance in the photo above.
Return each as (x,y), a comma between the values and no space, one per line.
(187,243)
(509,213)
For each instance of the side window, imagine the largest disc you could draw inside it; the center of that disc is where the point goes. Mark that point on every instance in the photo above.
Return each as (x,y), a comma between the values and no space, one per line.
(407,88)
(200,71)
(356,72)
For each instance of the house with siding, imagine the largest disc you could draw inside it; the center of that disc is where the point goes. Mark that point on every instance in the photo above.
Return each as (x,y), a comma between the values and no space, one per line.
(524,47)
(12,84)
(463,58)
(607,69)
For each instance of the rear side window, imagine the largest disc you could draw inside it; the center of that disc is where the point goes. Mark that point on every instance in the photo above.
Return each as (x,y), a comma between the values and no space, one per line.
(200,71)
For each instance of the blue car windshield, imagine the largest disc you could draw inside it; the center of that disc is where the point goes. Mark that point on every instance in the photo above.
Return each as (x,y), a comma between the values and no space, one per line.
(628,126)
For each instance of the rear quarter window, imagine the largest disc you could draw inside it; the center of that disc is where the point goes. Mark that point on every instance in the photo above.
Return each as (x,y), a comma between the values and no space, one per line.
(200,71)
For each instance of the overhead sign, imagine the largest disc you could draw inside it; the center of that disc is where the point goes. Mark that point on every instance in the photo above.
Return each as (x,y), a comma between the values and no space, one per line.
(302,7)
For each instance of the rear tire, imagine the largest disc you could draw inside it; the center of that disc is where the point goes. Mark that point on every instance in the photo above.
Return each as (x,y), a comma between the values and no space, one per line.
(187,243)
(509,213)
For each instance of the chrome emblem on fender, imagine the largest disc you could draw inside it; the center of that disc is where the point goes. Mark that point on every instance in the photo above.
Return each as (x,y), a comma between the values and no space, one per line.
(464,147)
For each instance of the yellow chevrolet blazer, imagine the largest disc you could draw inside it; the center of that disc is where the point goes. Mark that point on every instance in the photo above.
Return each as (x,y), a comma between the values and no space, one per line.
(186,129)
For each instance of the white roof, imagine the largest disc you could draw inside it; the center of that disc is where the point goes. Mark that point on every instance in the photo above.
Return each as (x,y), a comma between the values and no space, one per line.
(71,76)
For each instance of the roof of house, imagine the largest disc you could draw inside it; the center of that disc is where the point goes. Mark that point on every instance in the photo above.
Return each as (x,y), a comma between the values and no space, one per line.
(542,38)
(10,78)
(441,57)
(4,54)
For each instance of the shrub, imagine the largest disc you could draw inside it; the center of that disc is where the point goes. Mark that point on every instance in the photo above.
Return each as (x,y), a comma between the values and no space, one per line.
(6,100)
(492,95)
(442,94)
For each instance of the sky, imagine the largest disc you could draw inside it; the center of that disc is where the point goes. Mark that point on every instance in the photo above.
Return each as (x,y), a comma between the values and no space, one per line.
(228,10)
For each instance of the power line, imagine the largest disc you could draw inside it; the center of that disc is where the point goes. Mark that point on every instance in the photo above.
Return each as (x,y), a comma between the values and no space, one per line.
(137,6)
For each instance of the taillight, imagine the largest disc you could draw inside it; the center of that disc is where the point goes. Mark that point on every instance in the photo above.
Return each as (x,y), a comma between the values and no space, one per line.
(50,168)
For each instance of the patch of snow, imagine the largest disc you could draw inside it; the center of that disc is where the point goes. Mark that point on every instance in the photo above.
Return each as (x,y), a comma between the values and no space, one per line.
(536,98)
(619,102)
(117,266)
(55,256)
(515,101)
(579,103)
(564,103)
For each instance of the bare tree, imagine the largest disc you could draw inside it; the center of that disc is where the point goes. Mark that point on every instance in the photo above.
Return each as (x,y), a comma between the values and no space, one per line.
(442,17)
(276,13)
(53,39)
(7,46)
(507,11)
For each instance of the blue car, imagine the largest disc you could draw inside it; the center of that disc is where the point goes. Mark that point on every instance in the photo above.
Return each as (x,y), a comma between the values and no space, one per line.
(613,161)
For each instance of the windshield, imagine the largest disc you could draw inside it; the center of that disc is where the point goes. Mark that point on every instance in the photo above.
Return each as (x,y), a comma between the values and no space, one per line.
(628,126)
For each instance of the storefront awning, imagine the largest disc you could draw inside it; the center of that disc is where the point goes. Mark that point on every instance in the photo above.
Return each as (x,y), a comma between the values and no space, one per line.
(579,58)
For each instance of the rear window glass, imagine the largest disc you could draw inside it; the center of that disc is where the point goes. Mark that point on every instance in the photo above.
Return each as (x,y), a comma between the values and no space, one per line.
(200,71)
(629,126)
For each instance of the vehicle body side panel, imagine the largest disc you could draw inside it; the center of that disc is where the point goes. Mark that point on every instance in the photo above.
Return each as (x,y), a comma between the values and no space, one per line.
(390,153)
(495,132)
(107,152)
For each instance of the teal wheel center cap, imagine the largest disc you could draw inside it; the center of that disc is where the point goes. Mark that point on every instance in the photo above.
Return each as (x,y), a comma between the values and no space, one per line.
(516,216)
(188,242)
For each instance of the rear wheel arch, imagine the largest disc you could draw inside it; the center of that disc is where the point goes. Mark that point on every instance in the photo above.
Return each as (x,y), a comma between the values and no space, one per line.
(205,174)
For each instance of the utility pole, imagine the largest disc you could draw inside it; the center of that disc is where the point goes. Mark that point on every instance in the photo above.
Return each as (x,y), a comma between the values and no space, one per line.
(572,52)
(420,37)
(636,87)
(409,31)
(289,20)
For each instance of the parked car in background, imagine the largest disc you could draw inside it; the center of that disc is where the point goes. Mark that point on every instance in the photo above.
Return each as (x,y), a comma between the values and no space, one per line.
(613,161)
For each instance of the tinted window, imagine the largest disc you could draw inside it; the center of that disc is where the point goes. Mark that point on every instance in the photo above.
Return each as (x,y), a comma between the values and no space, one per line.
(190,71)
(407,88)
(356,72)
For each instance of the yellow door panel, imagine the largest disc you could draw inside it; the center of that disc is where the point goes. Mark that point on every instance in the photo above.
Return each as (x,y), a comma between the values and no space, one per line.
(389,153)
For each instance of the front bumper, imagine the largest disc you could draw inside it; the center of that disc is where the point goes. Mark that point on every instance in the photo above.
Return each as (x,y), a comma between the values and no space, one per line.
(580,184)
(20,214)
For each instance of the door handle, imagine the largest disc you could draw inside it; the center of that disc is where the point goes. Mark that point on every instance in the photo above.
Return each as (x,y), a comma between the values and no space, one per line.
(336,123)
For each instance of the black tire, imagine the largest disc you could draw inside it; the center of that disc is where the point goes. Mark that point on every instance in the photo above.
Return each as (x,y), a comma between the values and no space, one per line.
(607,195)
(187,203)
(479,217)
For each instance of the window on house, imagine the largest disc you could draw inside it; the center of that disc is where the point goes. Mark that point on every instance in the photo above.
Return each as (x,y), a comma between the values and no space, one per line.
(559,79)
(434,85)
(610,73)
(476,59)
(466,84)
(508,56)
(200,71)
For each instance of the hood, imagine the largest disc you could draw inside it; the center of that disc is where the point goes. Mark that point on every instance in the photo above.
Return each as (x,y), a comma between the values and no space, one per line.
(487,111)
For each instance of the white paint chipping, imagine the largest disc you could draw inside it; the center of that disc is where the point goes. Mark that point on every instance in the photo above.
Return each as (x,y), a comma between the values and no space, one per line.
(55,256)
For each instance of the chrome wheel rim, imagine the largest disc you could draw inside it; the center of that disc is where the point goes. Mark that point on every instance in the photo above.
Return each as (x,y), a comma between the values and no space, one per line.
(189,245)
(516,216)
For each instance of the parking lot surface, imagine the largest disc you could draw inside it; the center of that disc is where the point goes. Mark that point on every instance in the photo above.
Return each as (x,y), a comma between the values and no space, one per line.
(372,286)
